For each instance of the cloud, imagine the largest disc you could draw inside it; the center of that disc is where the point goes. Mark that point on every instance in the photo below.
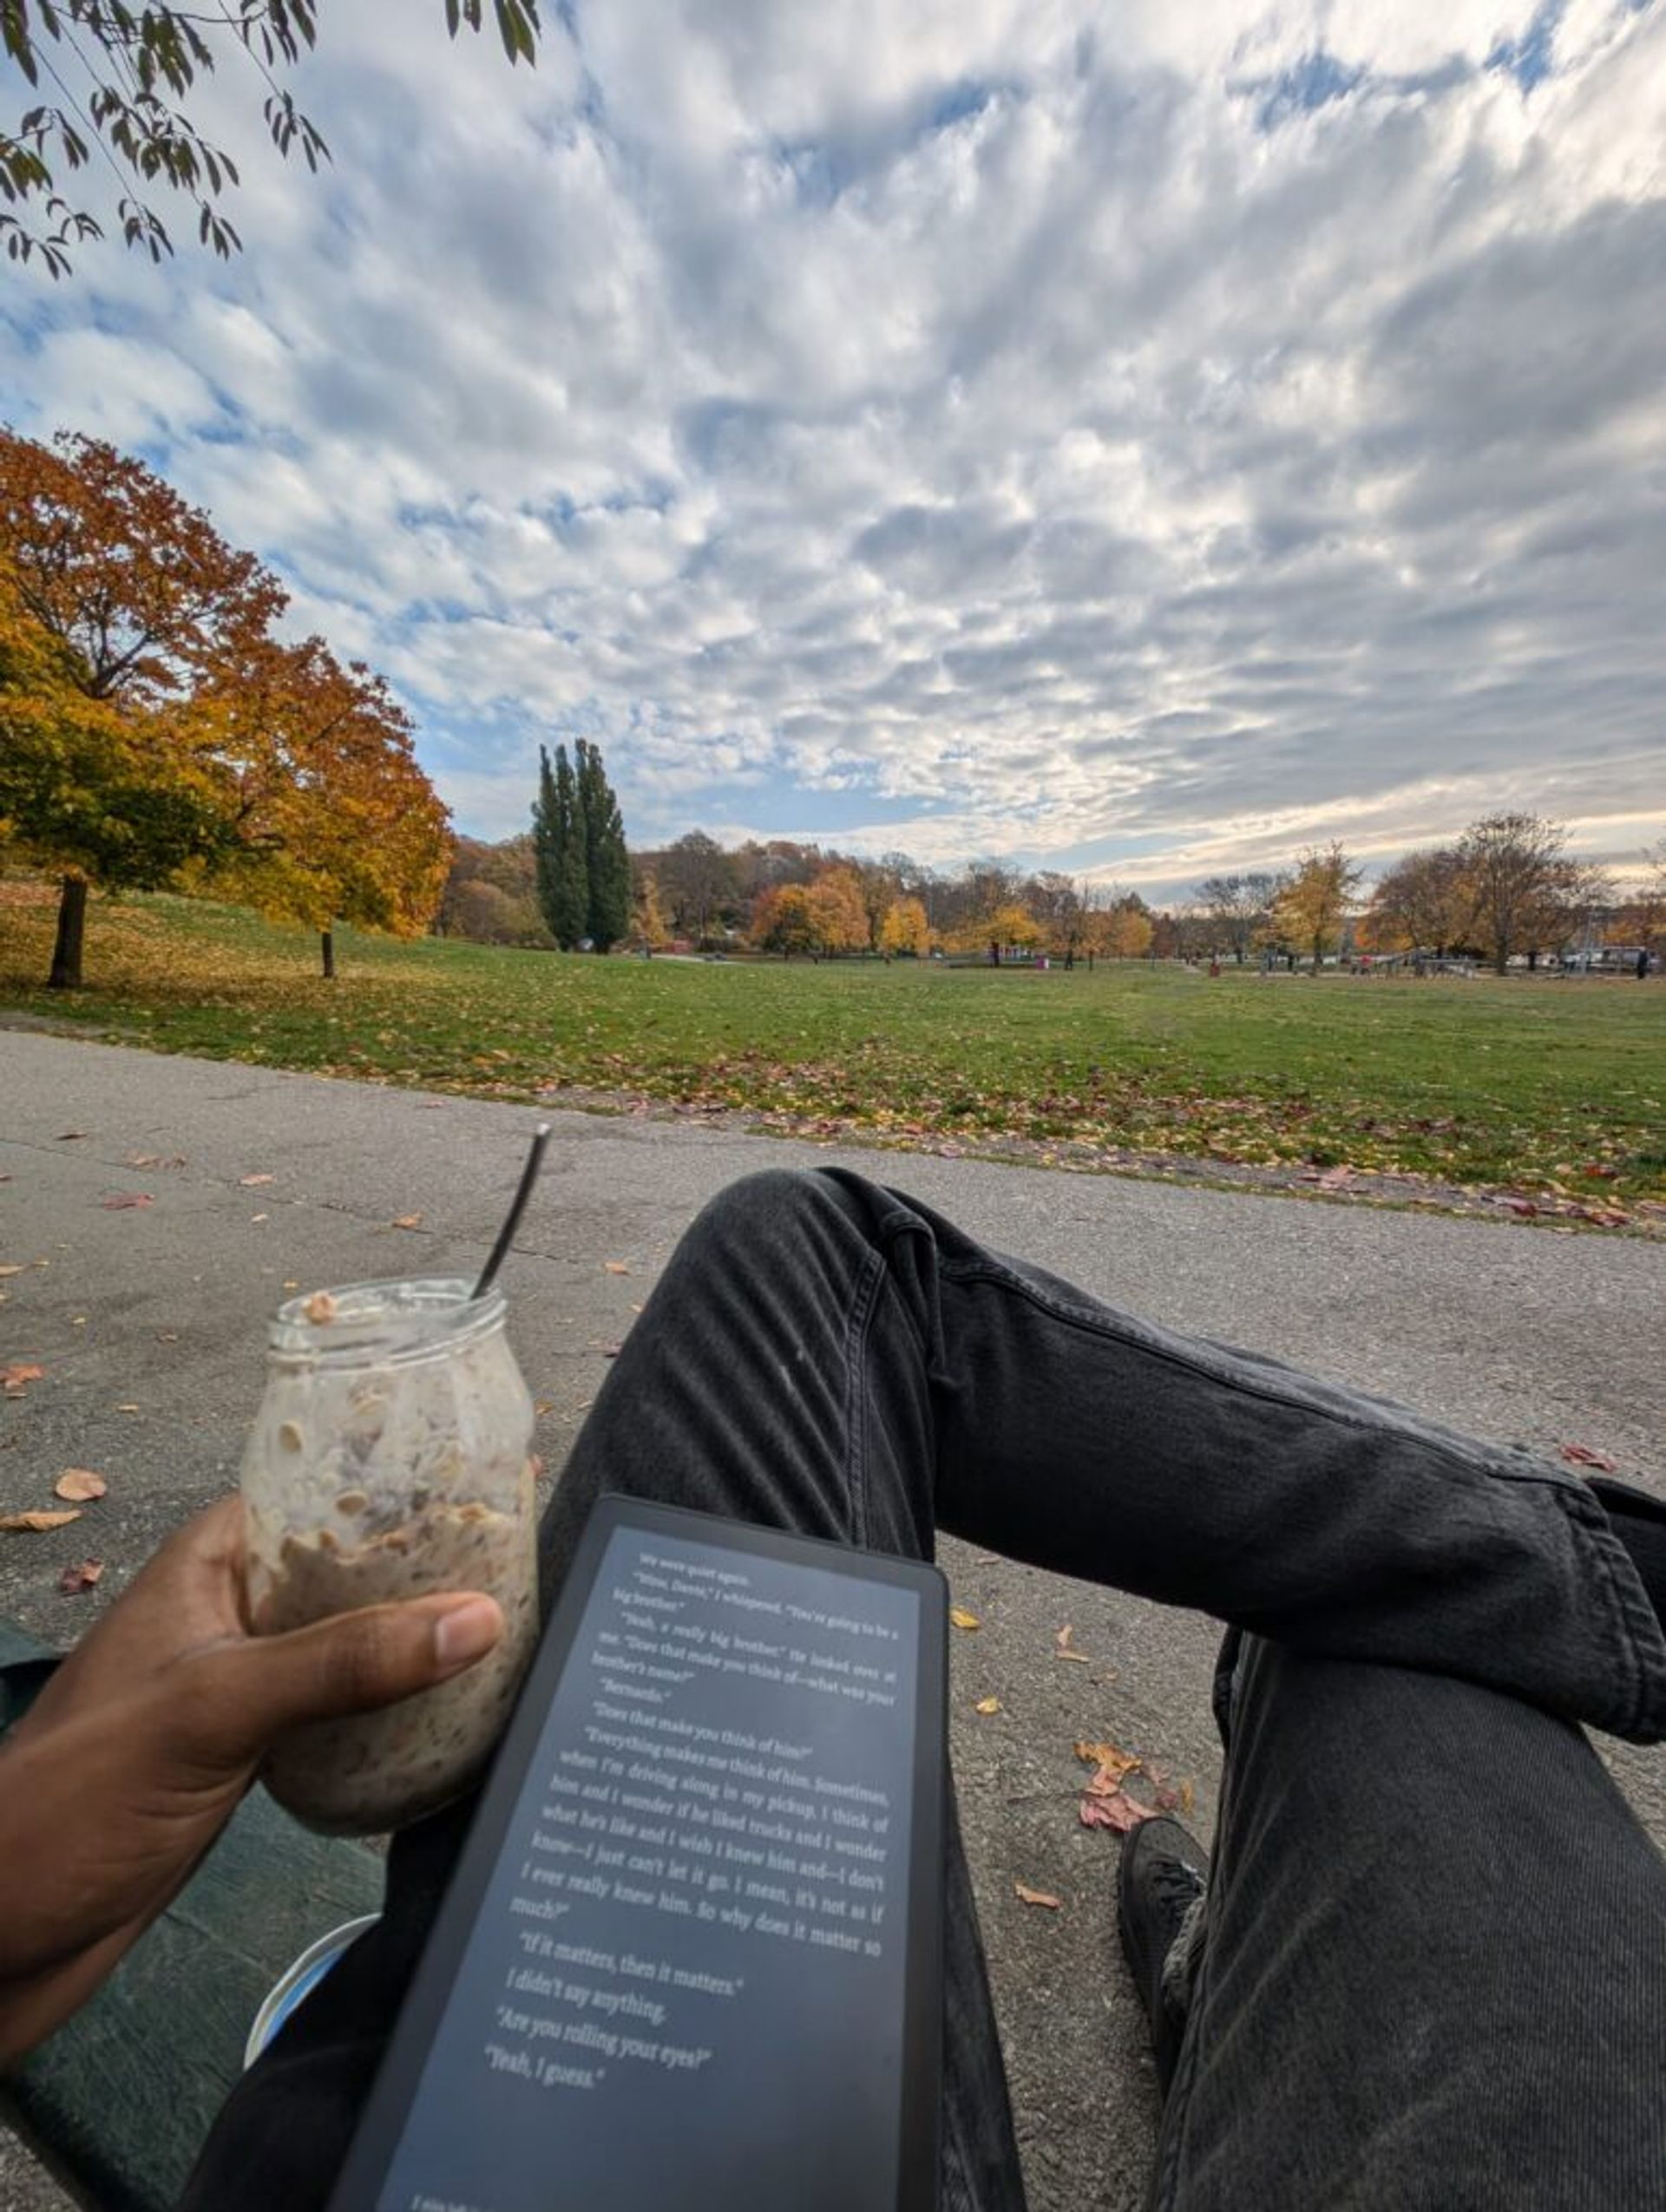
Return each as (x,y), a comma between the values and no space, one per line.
(953,428)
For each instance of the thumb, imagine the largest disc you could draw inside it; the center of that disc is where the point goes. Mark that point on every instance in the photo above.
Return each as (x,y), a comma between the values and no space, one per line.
(352,1662)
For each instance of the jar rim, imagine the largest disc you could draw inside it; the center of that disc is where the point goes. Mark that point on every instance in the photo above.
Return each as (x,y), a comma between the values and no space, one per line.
(380,1323)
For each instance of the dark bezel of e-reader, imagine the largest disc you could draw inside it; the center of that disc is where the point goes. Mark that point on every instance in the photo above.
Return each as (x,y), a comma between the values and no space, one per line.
(383,2123)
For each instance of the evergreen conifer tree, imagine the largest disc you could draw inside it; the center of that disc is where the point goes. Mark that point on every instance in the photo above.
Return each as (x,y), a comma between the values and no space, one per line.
(607,867)
(557,845)
(572,917)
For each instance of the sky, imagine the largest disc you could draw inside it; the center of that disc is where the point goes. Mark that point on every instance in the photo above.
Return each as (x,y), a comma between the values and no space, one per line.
(1135,439)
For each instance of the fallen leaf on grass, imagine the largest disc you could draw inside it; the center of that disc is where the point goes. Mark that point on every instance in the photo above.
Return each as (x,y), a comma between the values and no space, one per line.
(13,1378)
(1117,1812)
(78,1484)
(407,1221)
(74,1579)
(1062,1646)
(1025,1896)
(962,1618)
(987,1705)
(253,1182)
(1583,1456)
(124,1201)
(37,1524)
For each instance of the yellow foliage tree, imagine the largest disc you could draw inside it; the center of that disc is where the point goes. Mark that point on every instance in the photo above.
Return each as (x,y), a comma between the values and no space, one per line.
(838,914)
(1313,905)
(337,820)
(1124,933)
(1012,925)
(905,928)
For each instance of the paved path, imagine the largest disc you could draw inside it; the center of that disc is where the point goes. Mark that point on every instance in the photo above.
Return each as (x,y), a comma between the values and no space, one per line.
(1516,1332)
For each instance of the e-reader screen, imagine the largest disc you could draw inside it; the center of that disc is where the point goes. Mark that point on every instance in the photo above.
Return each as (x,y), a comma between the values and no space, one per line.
(691,1953)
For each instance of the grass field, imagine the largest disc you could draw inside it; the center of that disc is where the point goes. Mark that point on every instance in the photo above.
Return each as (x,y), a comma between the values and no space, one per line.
(1553,1087)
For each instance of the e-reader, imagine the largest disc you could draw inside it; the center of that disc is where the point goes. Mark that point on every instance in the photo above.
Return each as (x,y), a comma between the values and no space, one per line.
(691,1956)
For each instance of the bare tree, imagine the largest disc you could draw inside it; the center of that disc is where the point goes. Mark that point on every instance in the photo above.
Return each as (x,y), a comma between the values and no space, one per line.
(1423,904)
(1520,881)
(1238,906)
(697,877)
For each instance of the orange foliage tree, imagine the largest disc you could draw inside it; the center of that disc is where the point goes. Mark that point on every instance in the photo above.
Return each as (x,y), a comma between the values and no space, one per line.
(155,733)
(138,600)
(838,913)
(905,928)
(336,819)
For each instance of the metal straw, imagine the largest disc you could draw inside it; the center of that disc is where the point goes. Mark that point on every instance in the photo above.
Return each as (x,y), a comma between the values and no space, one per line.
(499,1251)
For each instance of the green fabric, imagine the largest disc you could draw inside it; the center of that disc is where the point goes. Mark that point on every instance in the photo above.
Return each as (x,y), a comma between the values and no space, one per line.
(117,2102)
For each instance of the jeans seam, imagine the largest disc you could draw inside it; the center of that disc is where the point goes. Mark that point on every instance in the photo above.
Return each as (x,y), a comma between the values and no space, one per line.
(1598,1558)
(856,1405)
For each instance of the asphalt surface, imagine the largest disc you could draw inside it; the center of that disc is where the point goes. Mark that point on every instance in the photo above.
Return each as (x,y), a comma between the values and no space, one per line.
(148,1321)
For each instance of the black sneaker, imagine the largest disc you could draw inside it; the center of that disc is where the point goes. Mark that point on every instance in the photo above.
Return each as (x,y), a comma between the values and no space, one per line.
(1163,1881)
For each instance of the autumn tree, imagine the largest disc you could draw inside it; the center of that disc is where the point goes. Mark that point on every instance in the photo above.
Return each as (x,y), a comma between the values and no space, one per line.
(1523,885)
(782,921)
(1314,903)
(91,791)
(838,914)
(1125,932)
(335,819)
(123,82)
(648,920)
(1237,907)
(905,928)
(146,605)
(491,893)
(1423,903)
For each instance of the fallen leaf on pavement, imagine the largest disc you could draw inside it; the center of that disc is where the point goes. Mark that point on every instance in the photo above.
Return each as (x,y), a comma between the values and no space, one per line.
(320,1309)
(987,1705)
(1109,1766)
(1171,1800)
(1062,1647)
(1117,1812)
(74,1579)
(253,1182)
(130,1408)
(543,1406)
(69,1136)
(616,1267)
(13,1378)
(1025,1896)
(14,1267)
(407,1221)
(78,1484)
(35,1524)
(962,1618)
(123,1202)
(1583,1456)
(255,1220)
(154,1160)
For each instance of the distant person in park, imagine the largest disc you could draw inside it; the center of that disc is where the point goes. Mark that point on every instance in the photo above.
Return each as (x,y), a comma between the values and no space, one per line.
(994,952)
(1427,1966)
(1642,965)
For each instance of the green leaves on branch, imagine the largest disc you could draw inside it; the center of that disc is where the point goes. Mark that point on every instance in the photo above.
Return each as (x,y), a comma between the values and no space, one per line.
(124,77)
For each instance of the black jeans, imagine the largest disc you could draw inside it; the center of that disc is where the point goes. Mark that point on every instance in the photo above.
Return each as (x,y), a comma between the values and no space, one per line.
(1435,1967)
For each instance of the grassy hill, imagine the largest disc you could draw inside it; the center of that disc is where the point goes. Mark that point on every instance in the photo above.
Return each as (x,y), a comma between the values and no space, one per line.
(1553,1087)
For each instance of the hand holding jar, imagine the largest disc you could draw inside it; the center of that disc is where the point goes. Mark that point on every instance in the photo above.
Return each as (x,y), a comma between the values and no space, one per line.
(391,1458)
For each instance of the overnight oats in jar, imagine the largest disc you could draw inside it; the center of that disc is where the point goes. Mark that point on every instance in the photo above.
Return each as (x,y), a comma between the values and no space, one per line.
(391,1458)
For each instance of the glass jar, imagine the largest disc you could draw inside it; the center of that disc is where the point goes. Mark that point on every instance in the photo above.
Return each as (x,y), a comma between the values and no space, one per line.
(390,1457)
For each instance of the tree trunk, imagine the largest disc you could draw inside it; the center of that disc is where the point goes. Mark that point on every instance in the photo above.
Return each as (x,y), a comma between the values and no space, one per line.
(72,933)
(327,951)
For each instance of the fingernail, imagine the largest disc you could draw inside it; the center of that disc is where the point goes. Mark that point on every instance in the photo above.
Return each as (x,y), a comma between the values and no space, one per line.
(467,1633)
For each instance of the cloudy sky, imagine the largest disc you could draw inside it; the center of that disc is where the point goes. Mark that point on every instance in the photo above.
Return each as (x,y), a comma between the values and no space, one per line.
(1132,438)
